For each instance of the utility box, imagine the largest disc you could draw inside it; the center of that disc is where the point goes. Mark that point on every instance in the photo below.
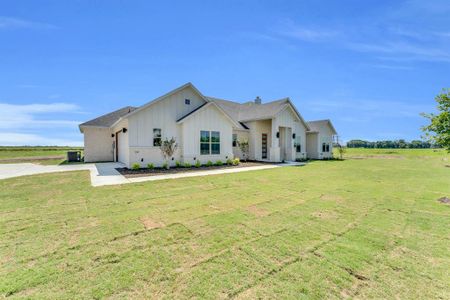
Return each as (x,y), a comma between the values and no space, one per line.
(73,156)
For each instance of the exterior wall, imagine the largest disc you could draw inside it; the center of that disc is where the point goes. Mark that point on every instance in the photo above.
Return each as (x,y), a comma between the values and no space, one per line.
(98,145)
(325,136)
(312,145)
(257,128)
(164,115)
(209,119)
(124,149)
(241,136)
(287,118)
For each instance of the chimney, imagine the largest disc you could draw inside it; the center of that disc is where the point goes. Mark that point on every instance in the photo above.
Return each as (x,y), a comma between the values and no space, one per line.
(257,100)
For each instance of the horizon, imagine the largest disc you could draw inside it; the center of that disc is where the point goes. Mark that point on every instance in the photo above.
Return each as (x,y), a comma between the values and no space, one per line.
(371,68)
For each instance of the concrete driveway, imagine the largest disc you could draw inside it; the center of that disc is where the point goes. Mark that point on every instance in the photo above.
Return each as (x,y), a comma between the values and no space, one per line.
(106,173)
(101,173)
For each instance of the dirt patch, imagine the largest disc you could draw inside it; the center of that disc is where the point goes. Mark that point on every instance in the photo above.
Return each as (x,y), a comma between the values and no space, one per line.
(324,215)
(445,200)
(129,173)
(258,211)
(151,224)
(378,157)
(331,198)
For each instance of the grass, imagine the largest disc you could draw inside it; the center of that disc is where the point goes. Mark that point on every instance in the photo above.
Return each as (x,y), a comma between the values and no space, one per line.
(46,155)
(364,228)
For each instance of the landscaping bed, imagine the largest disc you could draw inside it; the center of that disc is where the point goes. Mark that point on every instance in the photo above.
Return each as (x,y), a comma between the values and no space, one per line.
(130,173)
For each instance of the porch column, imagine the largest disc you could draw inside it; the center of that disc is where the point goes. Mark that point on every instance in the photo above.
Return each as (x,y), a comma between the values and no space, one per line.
(275,145)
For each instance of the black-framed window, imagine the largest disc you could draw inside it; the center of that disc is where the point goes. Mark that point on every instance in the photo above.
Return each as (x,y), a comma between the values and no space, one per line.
(298,144)
(156,137)
(187,101)
(234,137)
(209,142)
(325,147)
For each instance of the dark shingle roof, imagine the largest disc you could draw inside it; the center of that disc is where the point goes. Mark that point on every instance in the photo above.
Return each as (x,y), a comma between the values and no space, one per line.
(109,119)
(242,112)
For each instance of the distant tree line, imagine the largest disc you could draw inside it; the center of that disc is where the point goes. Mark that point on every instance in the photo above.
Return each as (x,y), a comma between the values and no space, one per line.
(390,144)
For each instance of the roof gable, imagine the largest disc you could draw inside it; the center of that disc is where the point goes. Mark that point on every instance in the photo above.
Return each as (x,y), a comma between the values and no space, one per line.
(161,98)
(315,125)
(205,106)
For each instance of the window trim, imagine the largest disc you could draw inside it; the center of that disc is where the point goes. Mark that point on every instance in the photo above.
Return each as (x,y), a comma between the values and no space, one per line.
(187,101)
(157,137)
(210,142)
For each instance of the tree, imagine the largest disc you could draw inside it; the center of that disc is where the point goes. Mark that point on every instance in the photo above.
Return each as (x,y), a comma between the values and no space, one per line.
(244,146)
(168,148)
(438,130)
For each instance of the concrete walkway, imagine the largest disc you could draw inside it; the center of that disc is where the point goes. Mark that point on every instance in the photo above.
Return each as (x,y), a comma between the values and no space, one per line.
(106,173)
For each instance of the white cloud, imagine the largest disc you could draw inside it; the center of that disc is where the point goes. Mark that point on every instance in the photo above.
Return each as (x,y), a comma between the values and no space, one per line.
(16,116)
(16,23)
(22,139)
(289,28)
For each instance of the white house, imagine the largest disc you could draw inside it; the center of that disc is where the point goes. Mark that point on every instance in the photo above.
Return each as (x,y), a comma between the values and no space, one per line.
(206,129)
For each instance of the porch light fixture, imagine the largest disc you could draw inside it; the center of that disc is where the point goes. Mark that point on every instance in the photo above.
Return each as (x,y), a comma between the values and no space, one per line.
(293,136)
(112,134)
(124,130)
(278,134)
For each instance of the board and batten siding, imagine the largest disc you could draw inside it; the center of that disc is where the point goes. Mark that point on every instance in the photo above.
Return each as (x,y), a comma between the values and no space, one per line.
(257,128)
(123,137)
(208,119)
(163,115)
(325,136)
(242,135)
(312,145)
(288,118)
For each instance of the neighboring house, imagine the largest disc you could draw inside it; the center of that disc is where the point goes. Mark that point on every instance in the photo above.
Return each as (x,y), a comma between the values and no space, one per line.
(205,128)
(319,139)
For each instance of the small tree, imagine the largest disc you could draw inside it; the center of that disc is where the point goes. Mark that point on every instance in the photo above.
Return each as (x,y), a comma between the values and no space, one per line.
(439,129)
(341,151)
(245,148)
(168,148)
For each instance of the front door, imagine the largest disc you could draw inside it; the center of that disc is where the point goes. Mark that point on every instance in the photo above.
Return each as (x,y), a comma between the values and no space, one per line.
(264,146)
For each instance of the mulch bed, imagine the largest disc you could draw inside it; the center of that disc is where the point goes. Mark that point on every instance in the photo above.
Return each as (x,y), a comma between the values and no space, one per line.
(129,173)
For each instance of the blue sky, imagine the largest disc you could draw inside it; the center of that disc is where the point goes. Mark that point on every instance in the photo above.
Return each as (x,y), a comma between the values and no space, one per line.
(370,66)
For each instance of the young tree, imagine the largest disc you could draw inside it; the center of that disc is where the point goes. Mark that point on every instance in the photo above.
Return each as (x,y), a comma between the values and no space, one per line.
(439,129)
(244,146)
(168,148)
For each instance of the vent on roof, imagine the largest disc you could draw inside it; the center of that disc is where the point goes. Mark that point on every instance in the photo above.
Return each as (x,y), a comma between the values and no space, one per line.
(257,100)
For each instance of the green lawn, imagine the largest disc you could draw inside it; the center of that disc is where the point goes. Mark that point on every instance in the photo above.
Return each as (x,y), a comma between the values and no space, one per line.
(359,228)
(51,155)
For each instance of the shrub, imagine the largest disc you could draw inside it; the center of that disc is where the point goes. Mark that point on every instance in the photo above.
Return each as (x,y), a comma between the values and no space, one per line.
(150,166)
(198,164)
(209,163)
(178,164)
(236,161)
(187,165)
(229,161)
(219,163)
(165,165)
(135,166)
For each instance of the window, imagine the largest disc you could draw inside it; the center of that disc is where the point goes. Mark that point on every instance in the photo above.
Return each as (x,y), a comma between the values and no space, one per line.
(204,142)
(209,142)
(187,101)
(215,142)
(325,147)
(298,144)
(234,140)
(156,137)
